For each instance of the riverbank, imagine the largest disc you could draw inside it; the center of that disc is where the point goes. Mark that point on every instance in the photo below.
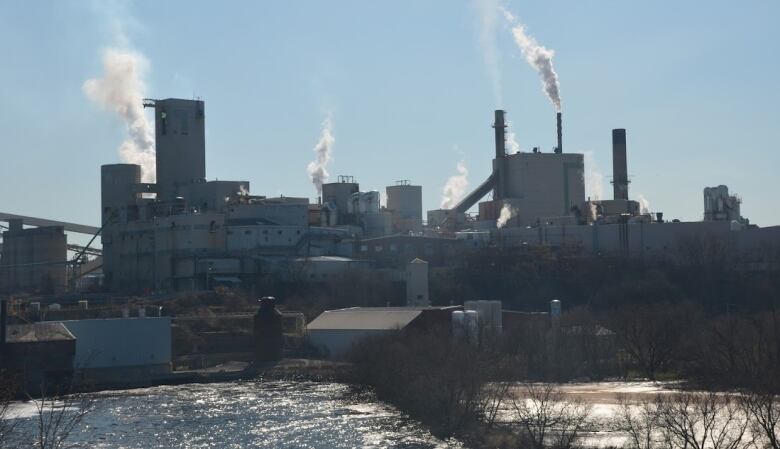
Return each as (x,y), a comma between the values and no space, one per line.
(297,369)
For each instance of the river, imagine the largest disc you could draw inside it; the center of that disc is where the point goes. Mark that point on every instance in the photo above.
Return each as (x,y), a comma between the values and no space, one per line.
(241,415)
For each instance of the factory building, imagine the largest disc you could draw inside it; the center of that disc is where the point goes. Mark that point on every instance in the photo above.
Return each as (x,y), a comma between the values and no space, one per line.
(539,187)
(33,259)
(185,233)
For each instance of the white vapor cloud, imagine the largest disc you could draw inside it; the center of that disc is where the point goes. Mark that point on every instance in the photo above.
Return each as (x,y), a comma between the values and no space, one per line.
(594,179)
(455,187)
(507,212)
(121,90)
(487,11)
(323,153)
(538,56)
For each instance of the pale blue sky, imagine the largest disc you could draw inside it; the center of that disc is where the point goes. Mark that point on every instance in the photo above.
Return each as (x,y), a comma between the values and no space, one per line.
(694,83)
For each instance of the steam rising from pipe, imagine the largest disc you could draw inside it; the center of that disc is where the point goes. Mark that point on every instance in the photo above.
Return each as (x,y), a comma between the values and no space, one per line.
(507,212)
(488,16)
(511,140)
(121,90)
(455,187)
(323,152)
(644,205)
(594,179)
(538,56)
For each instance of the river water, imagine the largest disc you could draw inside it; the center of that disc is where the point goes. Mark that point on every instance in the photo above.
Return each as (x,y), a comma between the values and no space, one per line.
(242,415)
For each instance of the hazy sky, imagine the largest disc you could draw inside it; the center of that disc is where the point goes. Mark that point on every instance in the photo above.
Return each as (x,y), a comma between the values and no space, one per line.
(694,84)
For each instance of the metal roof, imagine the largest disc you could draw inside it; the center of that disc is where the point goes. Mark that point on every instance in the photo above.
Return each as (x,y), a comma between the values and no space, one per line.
(365,318)
(38,332)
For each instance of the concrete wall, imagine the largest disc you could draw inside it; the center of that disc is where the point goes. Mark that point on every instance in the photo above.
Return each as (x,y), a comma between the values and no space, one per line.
(211,196)
(669,240)
(123,342)
(147,249)
(281,213)
(336,343)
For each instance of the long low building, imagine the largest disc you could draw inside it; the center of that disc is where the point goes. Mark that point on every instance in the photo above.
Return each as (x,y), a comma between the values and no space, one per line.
(335,332)
(673,240)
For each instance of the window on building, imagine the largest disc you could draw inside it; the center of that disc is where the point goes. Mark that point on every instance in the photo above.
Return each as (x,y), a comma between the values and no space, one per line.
(393,248)
(378,248)
(363,248)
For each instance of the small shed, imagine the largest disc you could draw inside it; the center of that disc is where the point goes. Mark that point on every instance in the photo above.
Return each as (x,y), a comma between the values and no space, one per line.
(39,354)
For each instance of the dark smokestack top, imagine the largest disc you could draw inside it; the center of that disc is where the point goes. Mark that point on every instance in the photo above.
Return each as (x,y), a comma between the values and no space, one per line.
(559,149)
(500,126)
(619,165)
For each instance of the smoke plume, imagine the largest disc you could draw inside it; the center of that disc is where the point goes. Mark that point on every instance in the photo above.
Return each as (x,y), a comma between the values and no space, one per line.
(538,56)
(594,180)
(455,187)
(323,153)
(644,205)
(488,17)
(511,140)
(507,212)
(121,90)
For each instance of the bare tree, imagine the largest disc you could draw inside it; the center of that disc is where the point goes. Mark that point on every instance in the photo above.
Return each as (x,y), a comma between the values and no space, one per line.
(641,421)
(7,424)
(763,410)
(57,416)
(546,417)
(703,420)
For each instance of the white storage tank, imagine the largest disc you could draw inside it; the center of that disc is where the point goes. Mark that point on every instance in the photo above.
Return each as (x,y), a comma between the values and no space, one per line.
(489,315)
(471,325)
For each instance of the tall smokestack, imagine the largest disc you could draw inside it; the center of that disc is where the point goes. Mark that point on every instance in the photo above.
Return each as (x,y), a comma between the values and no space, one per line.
(499,163)
(559,149)
(500,127)
(619,165)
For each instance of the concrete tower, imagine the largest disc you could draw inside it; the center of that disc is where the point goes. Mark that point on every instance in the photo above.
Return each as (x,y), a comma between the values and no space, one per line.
(181,144)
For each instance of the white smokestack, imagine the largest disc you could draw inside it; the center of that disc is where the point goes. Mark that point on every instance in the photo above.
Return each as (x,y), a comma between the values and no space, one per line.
(594,180)
(539,57)
(488,17)
(121,90)
(507,212)
(323,152)
(455,187)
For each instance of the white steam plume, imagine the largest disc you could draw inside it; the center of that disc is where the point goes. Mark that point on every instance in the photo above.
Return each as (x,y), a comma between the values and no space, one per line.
(594,180)
(121,90)
(507,212)
(488,16)
(455,187)
(511,140)
(538,56)
(323,152)
(644,205)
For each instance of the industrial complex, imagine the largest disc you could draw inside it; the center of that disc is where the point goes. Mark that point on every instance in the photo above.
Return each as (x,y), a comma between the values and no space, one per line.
(186,233)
